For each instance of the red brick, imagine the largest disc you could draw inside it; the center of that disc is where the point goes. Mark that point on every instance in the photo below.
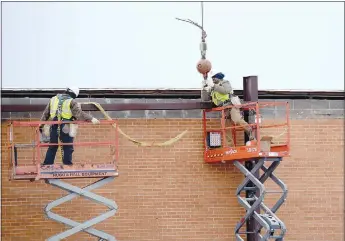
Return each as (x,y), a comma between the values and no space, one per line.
(169,193)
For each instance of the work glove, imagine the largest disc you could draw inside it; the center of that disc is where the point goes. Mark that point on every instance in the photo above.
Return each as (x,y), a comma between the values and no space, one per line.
(203,84)
(94,121)
(46,130)
(208,88)
(210,83)
(73,129)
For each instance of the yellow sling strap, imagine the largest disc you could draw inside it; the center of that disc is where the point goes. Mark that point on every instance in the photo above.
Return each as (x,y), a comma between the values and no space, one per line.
(140,143)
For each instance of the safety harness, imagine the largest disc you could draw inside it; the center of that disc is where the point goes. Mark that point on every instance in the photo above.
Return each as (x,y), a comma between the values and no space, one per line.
(59,113)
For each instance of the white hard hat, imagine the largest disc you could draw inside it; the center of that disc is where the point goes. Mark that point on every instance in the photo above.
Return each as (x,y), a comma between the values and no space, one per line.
(74,89)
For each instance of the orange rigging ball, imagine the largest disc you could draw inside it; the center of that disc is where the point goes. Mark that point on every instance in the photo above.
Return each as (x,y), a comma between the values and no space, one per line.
(203,66)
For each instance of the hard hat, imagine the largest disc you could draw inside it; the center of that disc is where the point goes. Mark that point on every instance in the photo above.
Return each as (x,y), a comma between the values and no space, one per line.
(213,73)
(74,89)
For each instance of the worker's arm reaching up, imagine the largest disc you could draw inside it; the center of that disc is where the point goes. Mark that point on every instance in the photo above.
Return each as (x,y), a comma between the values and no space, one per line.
(223,87)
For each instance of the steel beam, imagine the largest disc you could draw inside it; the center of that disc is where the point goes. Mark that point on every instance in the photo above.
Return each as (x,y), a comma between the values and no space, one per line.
(118,107)
(268,220)
(167,93)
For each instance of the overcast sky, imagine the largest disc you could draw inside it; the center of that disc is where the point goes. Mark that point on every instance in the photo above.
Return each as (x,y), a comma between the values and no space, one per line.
(141,45)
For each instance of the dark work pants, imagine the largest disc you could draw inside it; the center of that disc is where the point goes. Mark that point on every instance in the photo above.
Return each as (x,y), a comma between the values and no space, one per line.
(67,149)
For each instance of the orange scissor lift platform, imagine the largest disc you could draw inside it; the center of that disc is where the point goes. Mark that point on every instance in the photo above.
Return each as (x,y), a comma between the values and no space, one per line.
(31,168)
(225,142)
(91,159)
(264,129)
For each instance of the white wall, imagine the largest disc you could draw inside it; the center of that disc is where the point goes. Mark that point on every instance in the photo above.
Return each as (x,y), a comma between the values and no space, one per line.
(141,45)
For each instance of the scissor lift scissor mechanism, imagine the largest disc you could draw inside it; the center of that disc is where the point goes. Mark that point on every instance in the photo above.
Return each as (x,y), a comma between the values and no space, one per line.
(265,155)
(33,170)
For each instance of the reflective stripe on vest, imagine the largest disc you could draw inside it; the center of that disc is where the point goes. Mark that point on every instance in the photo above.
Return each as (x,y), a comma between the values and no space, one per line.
(218,98)
(66,112)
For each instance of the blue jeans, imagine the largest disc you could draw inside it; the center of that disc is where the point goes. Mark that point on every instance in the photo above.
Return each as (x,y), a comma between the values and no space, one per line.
(67,150)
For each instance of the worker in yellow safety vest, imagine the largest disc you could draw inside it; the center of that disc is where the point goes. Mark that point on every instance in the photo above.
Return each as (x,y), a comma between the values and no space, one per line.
(63,107)
(221,93)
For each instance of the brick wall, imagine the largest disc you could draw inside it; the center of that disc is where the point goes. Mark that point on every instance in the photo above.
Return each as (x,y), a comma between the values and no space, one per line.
(169,193)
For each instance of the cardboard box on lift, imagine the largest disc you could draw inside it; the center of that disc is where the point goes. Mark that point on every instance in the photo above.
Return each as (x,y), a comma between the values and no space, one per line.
(265,143)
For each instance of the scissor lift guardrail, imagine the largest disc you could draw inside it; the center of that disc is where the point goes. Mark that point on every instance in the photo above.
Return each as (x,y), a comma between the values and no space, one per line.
(52,174)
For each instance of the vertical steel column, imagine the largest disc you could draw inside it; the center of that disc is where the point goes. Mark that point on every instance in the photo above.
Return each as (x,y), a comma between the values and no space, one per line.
(268,220)
(250,94)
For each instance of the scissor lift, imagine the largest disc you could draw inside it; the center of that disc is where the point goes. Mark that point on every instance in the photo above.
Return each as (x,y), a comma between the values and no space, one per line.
(29,167)
(261,151)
